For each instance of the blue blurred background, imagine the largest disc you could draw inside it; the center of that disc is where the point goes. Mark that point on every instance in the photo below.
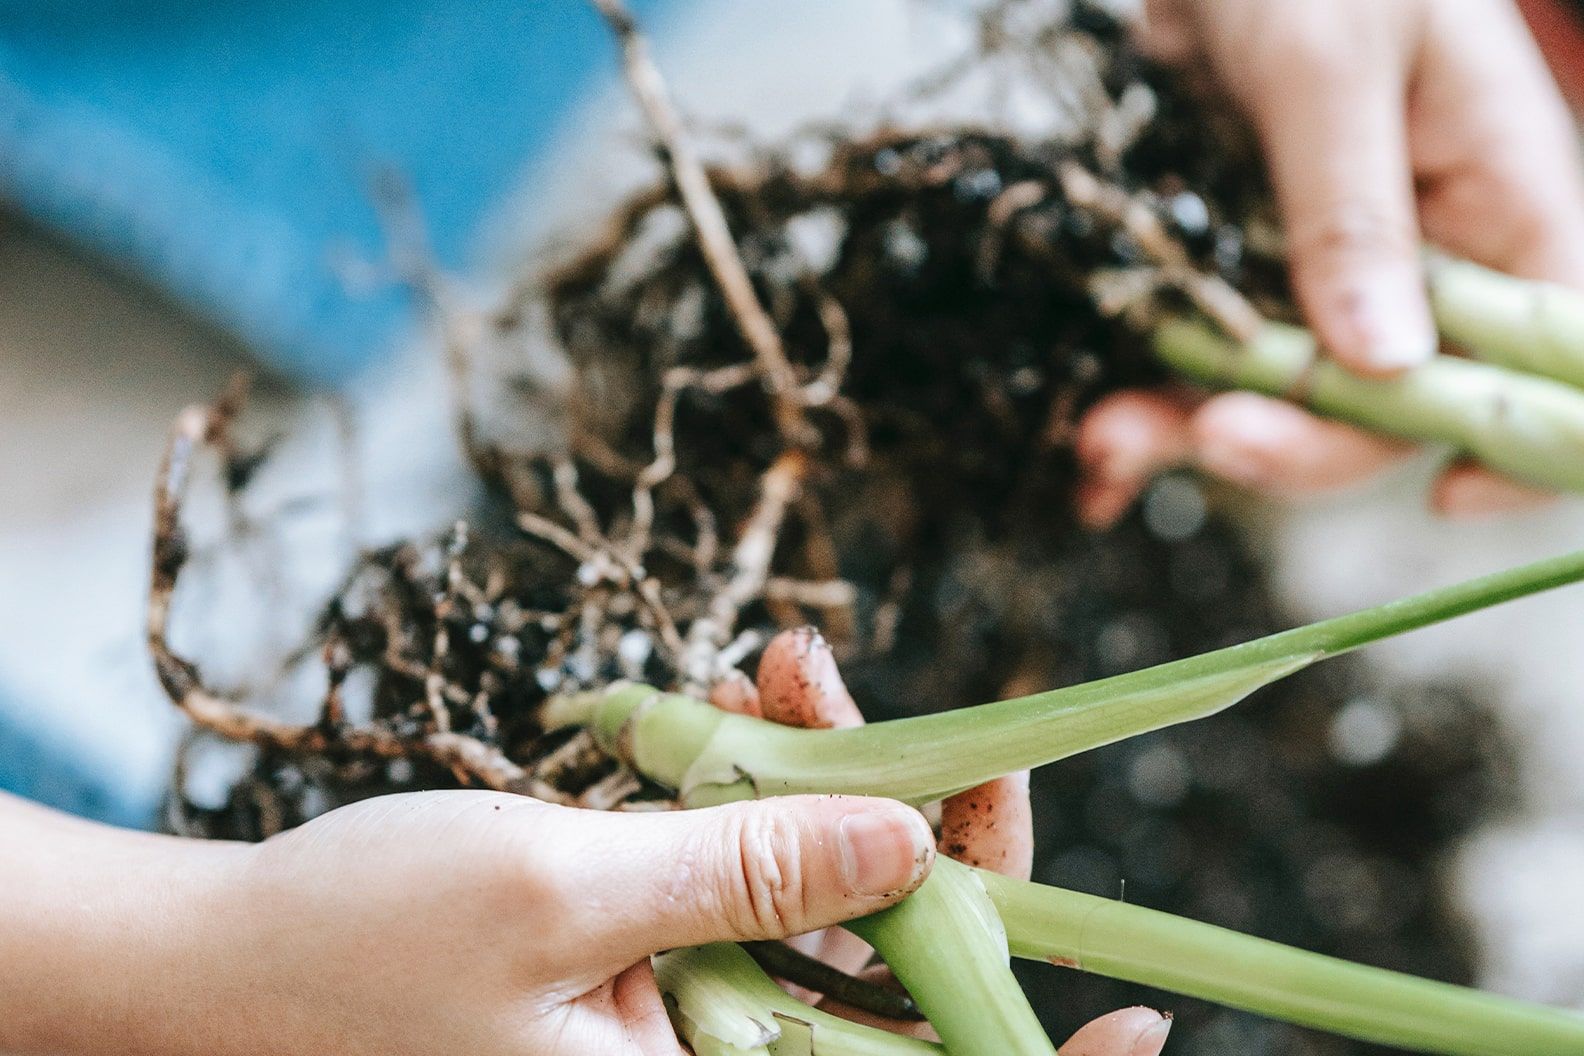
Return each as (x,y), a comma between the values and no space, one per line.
(223,154)
(224,151)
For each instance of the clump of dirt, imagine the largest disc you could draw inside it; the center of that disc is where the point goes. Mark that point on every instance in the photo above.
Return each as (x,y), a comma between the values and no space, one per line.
(949,302)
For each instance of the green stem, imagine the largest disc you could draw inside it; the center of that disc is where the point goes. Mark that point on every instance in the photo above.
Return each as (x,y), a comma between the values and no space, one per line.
(946,944)
(723,1004)
(1531,326)
(1156,949)
(709,756)
(1530,428)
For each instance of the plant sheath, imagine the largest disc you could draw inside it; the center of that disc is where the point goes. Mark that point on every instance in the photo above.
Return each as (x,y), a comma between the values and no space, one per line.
(723,1004)
(946,944)
(1140,945)
(1531,326)
(709,756)
(1530,428)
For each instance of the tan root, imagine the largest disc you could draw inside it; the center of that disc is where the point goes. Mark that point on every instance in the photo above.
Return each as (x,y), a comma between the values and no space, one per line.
(471,760)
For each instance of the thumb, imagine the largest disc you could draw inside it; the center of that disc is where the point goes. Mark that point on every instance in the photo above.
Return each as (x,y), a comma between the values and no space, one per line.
(1333,127)
(1136,1031)
(768,869)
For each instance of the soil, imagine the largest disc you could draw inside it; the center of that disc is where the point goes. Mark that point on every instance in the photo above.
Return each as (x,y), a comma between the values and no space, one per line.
(940,488)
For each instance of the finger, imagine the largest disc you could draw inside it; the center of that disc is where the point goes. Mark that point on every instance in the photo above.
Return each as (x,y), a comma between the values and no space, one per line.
(799,684)
(991,826)
(1560,37)
(1134,1031)
(736,693)
(843,950)
(799,680)
(642,1011)
(768,869)
(1495,147)
(1469,490)
(1102,503)
(1271,445)
(1501,183)
(624,1016)
(1166,32)
(1123,441)
(1329,106)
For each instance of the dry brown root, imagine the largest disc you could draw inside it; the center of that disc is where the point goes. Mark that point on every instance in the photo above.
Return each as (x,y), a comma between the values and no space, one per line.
(610,595)
(1210,293)
(709,222)
(469,759)
(750,572)
(868,995)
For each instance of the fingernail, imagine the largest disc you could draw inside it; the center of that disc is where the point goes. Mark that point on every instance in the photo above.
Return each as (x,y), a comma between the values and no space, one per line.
(1391,321)
(1152,1039)
(833,705)
(884,851)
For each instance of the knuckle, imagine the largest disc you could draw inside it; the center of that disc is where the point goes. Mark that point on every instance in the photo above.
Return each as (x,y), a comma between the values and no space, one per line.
(511,866)
(772,896)
(1348,232)
(513,879)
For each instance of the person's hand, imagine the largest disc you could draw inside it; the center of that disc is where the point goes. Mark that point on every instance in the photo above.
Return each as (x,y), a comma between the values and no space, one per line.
(459,921)
(470,922)
(1384,123)
(990,827)
(482,923)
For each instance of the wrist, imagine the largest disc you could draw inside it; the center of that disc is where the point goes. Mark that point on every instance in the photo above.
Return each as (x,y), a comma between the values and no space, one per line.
(113,938)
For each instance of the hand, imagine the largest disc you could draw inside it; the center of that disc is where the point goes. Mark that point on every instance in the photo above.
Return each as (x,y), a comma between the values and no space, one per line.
(991,827)
(448,921)
(1384,123)
(432,922)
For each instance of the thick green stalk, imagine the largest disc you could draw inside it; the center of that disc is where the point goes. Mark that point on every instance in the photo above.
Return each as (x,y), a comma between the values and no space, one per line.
(1536,327)
(709,756)
(946,944)
(723,1004)
(1530,428)
(1156,949)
